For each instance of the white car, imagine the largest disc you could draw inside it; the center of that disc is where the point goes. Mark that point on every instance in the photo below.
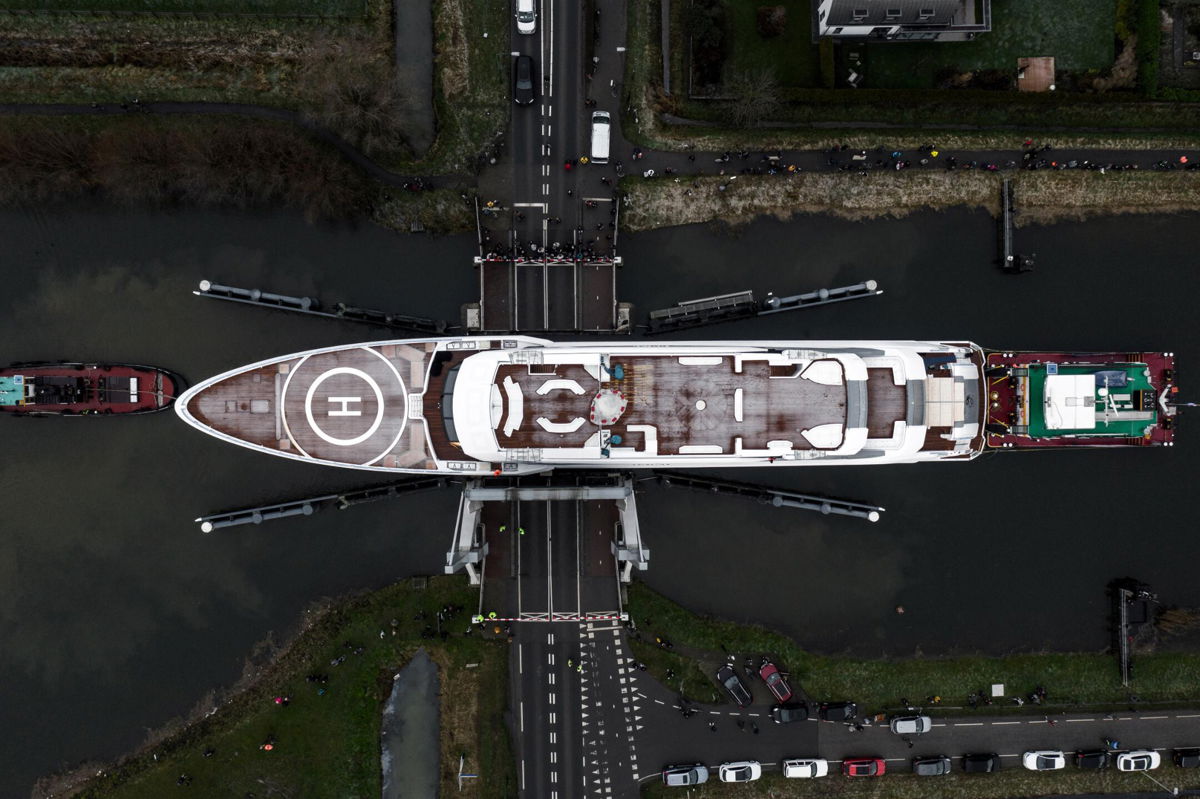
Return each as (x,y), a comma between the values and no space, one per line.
(1138,760)
(1044,760)
(911,725)
(740,771)
(526,16)
(805,769)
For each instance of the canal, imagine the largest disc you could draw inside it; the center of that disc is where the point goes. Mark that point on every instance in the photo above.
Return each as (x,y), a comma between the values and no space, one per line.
(117,614)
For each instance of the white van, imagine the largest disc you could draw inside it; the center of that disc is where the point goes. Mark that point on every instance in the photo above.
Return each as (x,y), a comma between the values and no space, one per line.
(600,136)
(526,16)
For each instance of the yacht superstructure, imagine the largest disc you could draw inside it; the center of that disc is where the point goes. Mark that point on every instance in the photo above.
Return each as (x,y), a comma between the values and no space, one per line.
(520,405)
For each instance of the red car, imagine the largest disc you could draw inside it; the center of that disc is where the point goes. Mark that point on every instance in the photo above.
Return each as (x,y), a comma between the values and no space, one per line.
(864,767)
(773,677)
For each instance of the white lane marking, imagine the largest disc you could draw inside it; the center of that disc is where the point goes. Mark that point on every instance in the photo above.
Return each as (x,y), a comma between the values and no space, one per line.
(1071,721)
(551,72)
(969,724)
(522,774)
(551,676)
(1001,723)
(522,715)
(1189,716)
(1150,718)
(520,658)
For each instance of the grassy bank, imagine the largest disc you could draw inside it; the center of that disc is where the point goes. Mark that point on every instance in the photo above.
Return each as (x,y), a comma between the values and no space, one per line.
(327,744)
(1071,680)
(1042,197)
(1012,781)
(339,71)
(1113,120)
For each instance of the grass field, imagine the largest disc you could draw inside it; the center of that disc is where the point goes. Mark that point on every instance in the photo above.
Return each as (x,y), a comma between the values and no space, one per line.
(792,54)
(1077,33)
(267,8)
(1071,680)
(328,745)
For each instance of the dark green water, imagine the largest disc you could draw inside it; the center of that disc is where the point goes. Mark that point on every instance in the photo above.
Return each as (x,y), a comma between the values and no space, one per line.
(117,614)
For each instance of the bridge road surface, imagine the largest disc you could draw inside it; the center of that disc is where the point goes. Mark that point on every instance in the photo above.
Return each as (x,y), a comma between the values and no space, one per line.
(544,136)
(573,707)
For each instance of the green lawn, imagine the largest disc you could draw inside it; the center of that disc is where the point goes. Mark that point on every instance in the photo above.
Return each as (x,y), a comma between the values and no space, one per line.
(325,8)
(1079,34)
(327,745)
(1071,680)
(792,54)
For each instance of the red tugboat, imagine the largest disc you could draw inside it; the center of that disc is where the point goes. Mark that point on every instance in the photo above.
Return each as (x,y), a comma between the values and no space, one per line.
(86,389)
(1059,399)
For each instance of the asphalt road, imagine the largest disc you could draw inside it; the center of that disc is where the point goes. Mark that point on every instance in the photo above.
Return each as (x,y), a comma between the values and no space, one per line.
(569,709)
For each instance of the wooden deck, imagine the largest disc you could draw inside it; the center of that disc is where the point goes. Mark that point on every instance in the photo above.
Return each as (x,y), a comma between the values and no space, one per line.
(348,406)
(687,405)
(887,403)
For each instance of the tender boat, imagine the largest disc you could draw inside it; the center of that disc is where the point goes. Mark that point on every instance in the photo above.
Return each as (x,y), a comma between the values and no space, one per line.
(86,389)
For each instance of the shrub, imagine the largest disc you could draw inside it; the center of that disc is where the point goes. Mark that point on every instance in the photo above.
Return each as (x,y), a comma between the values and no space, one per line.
(828,70)
(772,20)
(1149,36)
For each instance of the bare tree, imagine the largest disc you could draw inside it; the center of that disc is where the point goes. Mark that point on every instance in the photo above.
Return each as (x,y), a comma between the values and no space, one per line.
(355,93)
(755,95)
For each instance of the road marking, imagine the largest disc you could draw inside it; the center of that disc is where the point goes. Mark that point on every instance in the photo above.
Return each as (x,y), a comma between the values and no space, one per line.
(520,658)
(522,715)
(522,774)
(1070,721)
(1189,716)
(1001,723)
(1150,718)
(969,724)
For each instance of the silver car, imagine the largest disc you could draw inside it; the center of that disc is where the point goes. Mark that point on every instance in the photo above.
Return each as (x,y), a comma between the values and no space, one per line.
(680,776)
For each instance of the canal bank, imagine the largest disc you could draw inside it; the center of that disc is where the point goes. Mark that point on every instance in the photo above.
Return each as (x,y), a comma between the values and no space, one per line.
(118,613)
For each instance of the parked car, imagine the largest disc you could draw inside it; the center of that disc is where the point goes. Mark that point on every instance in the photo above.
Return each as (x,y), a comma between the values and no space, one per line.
(1188,758)
(524,86)
(773,677)
(981,763)
(864,767)
(526,16)
(789,712)
(740,771)
(911,725)
(695,774)
(728,677)
(1044,760)
(1138,760)
(805,769)
(931,766)
(1097,758)
(837,711)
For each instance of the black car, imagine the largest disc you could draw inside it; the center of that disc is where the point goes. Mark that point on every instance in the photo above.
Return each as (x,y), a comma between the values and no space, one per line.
(837,711)
(789,712)
(524,86)
(1097,758)
(931,766)
(728,677)
(1187,758)
(981,763)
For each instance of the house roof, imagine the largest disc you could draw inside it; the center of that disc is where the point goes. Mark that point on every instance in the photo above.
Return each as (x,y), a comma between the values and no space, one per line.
(879,12)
